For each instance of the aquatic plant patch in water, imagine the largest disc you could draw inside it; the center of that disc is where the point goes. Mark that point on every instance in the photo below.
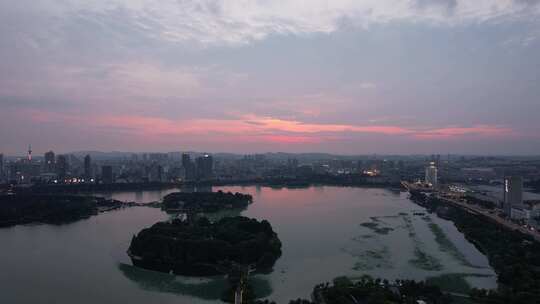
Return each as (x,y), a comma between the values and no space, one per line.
(373,259)
(446,245)
(375,228)
(425,261)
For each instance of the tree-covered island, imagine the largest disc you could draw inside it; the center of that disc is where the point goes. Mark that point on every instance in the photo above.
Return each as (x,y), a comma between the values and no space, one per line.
(205,201)
(202,248)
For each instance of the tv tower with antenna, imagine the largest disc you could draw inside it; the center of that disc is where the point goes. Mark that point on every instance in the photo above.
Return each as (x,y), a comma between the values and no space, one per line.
(29,153)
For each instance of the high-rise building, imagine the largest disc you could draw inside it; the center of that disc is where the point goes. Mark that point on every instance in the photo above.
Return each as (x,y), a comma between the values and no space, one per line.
(158,157)
(513,193)
(107,175)
(359,166)
(87,167)
(189,167)
(174,156)
(49,165)
(186,159)
(292,164)
(23,171)
(431,174)
(155,173)
(62,167)
(1,166)
(205,167)
(29,157)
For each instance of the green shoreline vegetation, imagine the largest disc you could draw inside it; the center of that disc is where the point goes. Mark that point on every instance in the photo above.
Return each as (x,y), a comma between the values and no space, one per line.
(365,289)
(514,256)
(454,282)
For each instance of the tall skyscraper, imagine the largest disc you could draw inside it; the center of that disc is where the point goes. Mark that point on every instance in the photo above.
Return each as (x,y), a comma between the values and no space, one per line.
(431,174)
(186,159)
(292,164)
(107,174)
(49,165)
(158,157)
(513,193)
(205,167)
(189,167)
(155,173)
(62,167)
(87,167)
(1,166)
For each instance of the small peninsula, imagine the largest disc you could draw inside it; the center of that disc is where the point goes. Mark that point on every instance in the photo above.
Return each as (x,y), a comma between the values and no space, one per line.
(29,208)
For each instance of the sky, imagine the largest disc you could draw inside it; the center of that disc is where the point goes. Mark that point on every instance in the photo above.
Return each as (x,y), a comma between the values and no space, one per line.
(340,76)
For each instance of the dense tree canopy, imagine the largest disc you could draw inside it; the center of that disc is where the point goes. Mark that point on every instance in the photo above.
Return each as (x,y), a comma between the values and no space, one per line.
(44,208)
(205,248)
(205,201)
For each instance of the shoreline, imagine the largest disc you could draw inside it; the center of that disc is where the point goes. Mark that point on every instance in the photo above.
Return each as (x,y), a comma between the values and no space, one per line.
(119,187)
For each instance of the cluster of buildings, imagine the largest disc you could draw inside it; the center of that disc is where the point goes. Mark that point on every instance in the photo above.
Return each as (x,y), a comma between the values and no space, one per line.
(73,169)
(50,168)
(306,166)
(177,166)
(513,203)
(200,169)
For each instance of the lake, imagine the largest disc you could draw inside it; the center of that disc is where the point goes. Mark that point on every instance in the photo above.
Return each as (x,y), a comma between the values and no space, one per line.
(325,232)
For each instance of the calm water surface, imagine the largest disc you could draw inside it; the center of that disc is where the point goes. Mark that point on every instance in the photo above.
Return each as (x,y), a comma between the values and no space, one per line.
(325,231)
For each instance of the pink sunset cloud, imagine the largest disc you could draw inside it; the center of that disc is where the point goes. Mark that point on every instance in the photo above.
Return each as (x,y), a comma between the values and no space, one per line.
(292,139)
(249,128)
(452,132)
(300,127)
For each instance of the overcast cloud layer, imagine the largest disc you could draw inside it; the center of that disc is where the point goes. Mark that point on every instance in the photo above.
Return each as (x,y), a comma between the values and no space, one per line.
(418,76)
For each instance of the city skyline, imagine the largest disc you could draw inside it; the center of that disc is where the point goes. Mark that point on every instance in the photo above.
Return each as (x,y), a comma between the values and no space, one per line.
(346,77)
(42,154)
